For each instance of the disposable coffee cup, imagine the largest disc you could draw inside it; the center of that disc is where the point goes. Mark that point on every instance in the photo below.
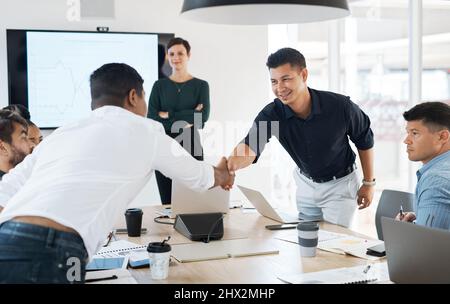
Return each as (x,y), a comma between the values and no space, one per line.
(159,255)
(133,218)
(308,237)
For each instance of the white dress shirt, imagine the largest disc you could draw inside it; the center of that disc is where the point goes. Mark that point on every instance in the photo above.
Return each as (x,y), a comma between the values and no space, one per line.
(84,175)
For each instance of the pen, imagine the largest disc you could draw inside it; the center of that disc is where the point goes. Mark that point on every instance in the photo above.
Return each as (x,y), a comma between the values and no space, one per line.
(110,236)
(366,269)
(101,279)
(401,211)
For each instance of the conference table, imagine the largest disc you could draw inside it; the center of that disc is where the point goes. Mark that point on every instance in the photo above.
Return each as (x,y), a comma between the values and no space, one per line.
(258,269)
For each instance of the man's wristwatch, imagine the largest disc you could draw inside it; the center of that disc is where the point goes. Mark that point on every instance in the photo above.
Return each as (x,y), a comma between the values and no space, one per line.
(369,183)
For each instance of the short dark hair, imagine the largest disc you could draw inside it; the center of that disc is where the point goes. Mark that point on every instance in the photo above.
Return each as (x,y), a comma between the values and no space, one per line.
(286,55)
(19,109)
(178,40)
(435,115)
(112,82)
(7,120)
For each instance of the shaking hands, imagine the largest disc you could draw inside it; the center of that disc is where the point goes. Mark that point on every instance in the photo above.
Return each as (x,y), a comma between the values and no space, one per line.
(224,172)
(222,176)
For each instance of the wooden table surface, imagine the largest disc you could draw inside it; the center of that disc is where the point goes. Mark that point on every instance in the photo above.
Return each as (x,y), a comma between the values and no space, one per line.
(251,270)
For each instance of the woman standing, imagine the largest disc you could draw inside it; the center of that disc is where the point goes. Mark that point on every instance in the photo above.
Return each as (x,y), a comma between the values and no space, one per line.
(181,104)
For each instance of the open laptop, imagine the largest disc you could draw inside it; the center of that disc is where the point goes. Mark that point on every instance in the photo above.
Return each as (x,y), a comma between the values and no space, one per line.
(187,201)
(265,209)
(416,254)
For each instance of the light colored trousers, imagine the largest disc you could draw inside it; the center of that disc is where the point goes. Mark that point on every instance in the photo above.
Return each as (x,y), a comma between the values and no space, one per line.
(333,201)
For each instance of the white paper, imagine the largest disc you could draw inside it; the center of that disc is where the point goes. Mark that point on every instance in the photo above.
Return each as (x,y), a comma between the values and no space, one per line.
(349,275)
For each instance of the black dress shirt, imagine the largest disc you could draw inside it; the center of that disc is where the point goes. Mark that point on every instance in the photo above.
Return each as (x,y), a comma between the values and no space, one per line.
(319,144)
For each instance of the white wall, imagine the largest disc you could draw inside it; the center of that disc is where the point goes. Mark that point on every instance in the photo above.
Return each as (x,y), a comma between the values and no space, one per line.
(231,58)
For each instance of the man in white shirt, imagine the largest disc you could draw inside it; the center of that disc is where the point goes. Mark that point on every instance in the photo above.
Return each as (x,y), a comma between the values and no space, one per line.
(64,198)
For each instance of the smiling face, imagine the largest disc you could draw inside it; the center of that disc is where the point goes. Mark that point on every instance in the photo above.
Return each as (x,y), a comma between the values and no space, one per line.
(422,143)
(178,57)
(288,82)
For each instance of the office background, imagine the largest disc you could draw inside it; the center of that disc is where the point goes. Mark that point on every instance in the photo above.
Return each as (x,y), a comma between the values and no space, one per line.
(365,56)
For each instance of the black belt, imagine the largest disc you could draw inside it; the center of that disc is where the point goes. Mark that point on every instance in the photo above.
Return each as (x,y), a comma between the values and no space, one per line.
(340,174)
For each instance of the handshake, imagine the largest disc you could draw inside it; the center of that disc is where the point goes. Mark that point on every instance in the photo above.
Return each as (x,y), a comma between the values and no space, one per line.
(224,173)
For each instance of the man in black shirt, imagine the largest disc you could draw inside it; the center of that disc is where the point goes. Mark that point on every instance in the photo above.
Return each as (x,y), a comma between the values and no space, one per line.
(314,127)
(14,143)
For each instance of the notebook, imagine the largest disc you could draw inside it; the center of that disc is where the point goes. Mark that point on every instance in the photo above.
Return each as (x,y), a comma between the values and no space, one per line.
(265,208)
(338,243)
(107,263)
(292,236)
(136,254)
(193,252)
(416,254)
(348,275)
(351,245)
(186,201)
(119,248)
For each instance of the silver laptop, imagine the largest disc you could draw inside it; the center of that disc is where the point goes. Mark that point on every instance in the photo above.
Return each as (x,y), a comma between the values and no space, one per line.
(265,209)
(185,200)
(416,254)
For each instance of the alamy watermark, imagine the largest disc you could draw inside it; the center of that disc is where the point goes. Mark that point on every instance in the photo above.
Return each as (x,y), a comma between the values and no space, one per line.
(73,13)
(218,136)
(73,274)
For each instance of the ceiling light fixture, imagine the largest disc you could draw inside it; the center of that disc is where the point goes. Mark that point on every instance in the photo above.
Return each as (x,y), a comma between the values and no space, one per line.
(253,12)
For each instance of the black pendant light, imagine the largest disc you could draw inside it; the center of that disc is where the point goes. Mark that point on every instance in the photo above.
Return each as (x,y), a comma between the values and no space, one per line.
(248,12)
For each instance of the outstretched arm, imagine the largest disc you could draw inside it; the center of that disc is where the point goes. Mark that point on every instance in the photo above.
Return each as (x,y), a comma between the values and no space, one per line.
(365,193)
(175,162)
(241,157)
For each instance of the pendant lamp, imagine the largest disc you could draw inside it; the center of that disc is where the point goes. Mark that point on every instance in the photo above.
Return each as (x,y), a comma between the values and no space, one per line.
(259,12)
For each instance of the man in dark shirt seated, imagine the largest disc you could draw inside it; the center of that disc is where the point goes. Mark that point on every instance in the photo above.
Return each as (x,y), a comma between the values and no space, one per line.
(314,127)
(14,143)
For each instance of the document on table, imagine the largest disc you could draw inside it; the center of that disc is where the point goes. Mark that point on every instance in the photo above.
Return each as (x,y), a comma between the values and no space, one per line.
(292,236)
(347,275)
(222,249)
(351,245)
(338,243)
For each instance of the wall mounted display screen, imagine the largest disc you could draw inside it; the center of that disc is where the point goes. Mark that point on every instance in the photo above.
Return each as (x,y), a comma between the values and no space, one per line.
(48,71)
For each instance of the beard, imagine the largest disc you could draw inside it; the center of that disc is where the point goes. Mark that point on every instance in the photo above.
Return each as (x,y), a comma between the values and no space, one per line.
(17,156)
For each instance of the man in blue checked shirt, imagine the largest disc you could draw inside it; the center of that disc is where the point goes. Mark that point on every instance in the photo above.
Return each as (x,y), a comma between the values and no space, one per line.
(428,141)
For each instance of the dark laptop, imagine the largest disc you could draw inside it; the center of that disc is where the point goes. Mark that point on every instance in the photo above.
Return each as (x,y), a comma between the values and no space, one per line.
(416,254)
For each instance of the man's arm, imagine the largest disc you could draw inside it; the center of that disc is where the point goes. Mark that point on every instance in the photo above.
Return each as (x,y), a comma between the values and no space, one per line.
(433,202)
(365,193)
(175,162)
(241,157)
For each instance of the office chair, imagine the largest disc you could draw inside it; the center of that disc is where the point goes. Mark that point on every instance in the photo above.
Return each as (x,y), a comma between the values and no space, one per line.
(389,206)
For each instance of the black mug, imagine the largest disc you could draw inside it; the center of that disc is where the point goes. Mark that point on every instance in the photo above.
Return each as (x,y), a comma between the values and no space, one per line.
(133,218)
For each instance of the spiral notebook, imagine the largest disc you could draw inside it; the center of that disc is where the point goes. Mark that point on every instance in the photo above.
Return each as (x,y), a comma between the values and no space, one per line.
(136,254)
(119,249)
(347,275)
